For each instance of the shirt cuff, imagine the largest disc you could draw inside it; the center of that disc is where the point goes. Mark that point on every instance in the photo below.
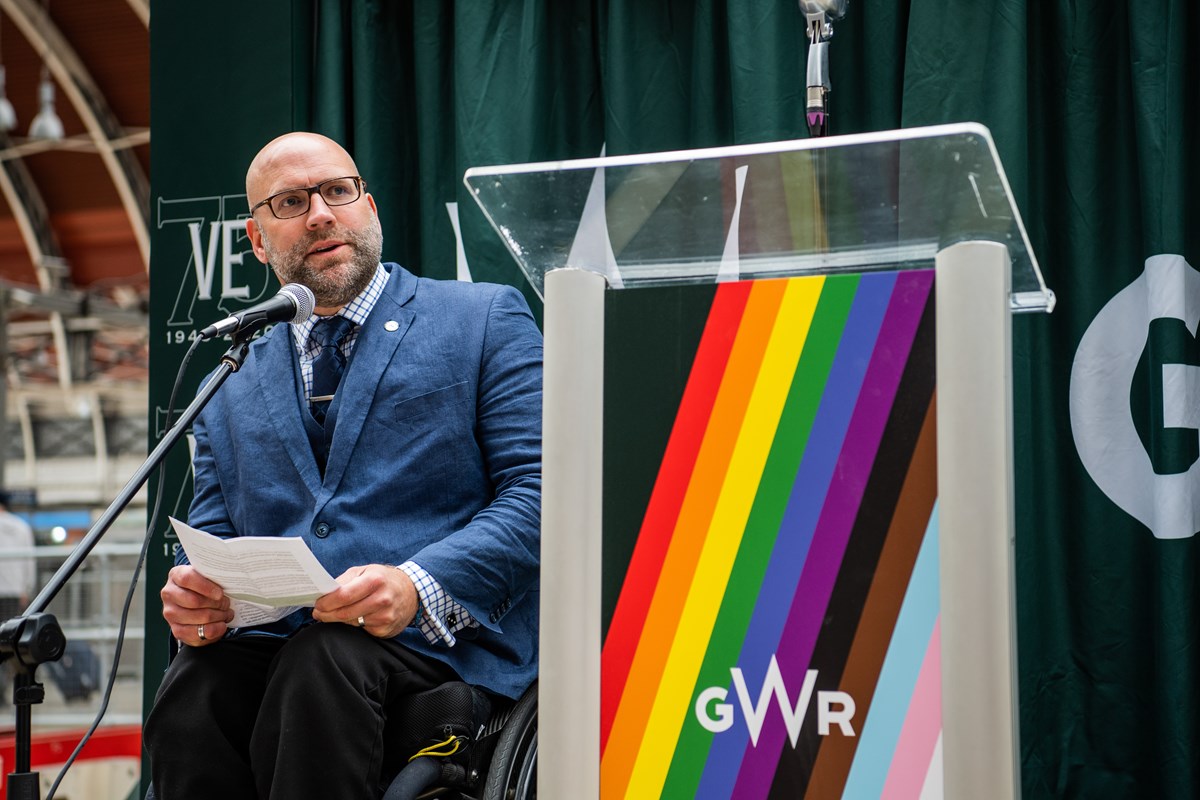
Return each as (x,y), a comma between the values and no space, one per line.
(439,617)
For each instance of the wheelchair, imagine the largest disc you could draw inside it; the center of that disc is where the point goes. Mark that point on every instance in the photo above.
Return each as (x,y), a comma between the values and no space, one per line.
(472,746)
(467,745)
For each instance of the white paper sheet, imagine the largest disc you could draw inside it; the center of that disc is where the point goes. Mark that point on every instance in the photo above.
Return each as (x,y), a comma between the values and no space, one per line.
(266,577)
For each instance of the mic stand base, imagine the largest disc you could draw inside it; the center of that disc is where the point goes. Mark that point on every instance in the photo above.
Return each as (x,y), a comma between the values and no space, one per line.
(30,640)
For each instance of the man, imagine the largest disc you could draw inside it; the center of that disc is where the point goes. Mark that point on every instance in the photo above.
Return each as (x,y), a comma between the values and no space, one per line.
(416,480)
(17,574)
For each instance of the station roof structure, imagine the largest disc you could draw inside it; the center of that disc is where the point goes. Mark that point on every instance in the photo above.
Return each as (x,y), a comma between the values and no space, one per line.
(74,213)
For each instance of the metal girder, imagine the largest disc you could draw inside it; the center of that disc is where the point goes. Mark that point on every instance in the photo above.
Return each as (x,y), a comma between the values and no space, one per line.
(33,221)
(102,125)
(32,218)
(74,303)
(142,9)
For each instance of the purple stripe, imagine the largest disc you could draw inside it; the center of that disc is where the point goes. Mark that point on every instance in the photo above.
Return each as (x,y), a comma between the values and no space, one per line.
(832,419)
(854,466)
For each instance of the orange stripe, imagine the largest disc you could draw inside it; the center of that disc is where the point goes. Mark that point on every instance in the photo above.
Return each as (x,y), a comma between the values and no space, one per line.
(688,540)
(670,488)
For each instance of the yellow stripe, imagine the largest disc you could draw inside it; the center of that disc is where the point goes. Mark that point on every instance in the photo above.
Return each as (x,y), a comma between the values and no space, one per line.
(672,704)
(753,335)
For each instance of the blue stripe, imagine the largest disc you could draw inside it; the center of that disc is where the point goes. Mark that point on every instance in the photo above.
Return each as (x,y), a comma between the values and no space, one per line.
(812,482)
(898,678)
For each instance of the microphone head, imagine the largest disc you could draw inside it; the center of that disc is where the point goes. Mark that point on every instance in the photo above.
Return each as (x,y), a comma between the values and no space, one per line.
(304,299)
(832,9)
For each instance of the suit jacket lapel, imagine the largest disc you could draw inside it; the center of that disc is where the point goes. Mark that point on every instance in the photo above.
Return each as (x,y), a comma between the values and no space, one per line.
(276,370)
(374,349)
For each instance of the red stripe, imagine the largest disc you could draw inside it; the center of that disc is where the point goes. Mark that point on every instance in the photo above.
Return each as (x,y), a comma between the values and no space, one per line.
(654,538)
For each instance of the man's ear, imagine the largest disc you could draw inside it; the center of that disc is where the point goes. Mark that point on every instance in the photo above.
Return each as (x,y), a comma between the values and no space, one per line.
(255,236)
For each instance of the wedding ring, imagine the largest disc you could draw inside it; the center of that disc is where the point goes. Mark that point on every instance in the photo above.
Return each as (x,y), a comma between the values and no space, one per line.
(361,622)
(200,633)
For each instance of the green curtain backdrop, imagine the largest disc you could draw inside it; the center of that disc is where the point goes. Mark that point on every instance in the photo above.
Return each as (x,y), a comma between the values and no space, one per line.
(1093,106)
(1090,106)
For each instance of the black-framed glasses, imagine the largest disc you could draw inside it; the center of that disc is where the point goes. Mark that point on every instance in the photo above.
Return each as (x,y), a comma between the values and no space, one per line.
(295,202)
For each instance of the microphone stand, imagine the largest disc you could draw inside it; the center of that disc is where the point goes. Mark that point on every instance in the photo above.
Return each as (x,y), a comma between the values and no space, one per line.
(35,637)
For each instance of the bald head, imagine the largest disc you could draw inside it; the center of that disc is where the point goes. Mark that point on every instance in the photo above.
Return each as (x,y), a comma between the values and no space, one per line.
(334,243)
(282,156)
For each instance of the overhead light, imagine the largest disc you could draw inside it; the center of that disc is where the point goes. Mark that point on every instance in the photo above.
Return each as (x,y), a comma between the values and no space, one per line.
(8,117)
(46,125)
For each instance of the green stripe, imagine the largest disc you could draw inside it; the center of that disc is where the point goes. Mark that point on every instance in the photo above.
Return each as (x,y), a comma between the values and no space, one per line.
(766,517)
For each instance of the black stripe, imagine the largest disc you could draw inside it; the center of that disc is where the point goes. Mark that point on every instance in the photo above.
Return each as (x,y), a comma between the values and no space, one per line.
(863,549)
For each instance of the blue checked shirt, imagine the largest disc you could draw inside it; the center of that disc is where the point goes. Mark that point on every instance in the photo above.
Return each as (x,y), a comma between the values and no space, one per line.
(439,617)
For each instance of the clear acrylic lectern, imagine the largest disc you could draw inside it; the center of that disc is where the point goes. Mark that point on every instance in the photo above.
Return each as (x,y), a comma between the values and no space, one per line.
(777,497)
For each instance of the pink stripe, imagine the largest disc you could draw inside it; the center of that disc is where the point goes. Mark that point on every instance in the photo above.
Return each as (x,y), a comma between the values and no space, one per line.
(922,726)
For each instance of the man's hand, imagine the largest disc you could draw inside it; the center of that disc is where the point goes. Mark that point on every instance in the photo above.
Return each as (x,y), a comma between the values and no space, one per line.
(382,596)
(196,608)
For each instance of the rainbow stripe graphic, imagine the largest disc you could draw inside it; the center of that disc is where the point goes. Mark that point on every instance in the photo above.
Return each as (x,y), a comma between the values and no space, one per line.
(792,522)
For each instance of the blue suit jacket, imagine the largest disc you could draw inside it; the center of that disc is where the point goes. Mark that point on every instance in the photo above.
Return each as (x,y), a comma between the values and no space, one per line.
(436,458)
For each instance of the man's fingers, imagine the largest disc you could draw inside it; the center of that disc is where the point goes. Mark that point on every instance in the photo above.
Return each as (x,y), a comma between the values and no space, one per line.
(186,615)
(189,599)
(357,585)
(351,574)
(192,609)
(188,577)
(382,596)
(186,589)
(201,634)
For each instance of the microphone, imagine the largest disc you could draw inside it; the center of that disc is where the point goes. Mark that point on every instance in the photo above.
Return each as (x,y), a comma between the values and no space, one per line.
(293,303)
(820,16)
(816,107)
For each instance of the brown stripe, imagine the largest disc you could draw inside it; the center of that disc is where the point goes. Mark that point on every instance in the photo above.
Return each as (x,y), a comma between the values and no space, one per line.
(882,608)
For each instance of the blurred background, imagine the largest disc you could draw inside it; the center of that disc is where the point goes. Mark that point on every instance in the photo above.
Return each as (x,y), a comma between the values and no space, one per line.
(74,250)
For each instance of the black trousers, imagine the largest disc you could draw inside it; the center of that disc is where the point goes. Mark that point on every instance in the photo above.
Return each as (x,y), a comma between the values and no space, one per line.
(269,718)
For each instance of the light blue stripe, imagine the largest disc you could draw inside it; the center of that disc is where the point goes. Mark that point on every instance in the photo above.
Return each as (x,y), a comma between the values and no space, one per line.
(898,679)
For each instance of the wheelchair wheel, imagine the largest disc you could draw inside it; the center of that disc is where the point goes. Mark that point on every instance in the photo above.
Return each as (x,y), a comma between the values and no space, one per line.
(513,771)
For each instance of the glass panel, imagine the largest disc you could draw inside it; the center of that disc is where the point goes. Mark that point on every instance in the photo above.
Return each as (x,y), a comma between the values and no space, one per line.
(848,203)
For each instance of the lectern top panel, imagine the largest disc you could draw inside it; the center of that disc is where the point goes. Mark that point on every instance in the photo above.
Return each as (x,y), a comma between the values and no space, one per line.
(858,203)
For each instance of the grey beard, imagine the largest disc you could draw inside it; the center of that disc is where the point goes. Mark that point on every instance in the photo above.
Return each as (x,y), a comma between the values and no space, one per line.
(331,290)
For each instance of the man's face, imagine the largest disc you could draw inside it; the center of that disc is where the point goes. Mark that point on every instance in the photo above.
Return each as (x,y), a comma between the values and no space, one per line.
(332,250)
(336,262)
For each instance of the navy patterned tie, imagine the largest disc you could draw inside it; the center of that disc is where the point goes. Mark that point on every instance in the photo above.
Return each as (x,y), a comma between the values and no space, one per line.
(330,362)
